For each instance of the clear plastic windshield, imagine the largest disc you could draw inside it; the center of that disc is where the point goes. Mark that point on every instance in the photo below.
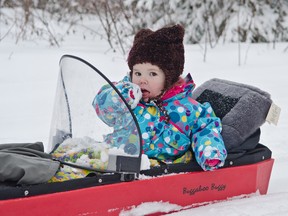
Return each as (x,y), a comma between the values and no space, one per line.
(85,128)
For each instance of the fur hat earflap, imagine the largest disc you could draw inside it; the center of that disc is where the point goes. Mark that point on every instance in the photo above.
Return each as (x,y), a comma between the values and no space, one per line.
(163,48)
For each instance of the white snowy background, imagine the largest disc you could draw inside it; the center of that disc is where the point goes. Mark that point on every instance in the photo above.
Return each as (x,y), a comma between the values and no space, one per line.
(28,77)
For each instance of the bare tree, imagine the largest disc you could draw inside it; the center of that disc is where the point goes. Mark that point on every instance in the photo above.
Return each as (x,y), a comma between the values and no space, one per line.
(206,21)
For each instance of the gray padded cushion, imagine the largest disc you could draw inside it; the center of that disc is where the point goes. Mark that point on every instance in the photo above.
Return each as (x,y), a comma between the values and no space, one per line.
(242,108)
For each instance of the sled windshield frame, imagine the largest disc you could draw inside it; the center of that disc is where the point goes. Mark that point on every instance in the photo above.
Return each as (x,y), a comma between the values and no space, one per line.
(116,163)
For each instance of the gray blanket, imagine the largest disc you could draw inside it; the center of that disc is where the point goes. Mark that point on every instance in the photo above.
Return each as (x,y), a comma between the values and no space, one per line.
(26,163)
(242,108)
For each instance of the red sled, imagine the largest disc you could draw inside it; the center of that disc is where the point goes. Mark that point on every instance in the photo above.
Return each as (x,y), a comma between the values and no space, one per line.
(184,189)
(123,186)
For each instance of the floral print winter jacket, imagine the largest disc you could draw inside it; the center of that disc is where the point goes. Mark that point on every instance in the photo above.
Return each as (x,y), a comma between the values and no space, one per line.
(191,125)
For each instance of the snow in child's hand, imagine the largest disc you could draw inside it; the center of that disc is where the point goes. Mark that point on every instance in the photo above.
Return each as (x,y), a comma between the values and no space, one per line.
(136,94)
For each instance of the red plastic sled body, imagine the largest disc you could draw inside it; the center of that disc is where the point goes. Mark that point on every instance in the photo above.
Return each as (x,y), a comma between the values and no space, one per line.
(182,189)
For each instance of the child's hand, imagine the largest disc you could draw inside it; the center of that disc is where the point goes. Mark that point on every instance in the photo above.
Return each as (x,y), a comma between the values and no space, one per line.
(212,162)
(131,92)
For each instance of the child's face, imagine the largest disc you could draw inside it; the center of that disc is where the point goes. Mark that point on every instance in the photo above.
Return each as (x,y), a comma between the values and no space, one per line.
(150,78)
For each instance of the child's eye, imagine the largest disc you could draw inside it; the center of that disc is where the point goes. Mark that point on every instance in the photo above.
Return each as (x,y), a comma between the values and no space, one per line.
(137,73)
(153,74)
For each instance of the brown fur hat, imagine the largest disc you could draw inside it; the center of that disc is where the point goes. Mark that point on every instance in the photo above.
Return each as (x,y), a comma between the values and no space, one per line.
(163,48)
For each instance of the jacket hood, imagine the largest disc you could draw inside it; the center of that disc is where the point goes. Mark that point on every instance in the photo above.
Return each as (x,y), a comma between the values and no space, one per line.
(183,85)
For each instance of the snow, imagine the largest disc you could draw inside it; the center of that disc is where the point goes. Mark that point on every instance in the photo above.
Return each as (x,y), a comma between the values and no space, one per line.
(28,78)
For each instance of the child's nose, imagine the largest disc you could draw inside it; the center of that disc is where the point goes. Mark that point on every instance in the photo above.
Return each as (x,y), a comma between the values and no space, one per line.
(143,81)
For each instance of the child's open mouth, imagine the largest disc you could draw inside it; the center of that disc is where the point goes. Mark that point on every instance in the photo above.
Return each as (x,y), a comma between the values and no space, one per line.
(145,93)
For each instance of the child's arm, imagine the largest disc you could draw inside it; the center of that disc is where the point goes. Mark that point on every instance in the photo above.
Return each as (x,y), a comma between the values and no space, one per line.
(110,107)
(207,142)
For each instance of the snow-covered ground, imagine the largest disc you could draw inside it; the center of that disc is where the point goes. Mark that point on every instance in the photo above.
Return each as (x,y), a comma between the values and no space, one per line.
(28,77)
